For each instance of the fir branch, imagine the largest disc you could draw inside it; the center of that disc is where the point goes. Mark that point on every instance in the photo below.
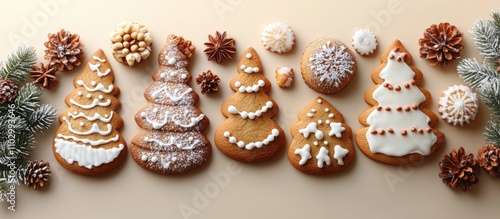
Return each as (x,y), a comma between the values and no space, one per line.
(41,118)
(487,39)
(27,99)
(18,65)
(492,133)
(489,94)
(476,74)
(495,15)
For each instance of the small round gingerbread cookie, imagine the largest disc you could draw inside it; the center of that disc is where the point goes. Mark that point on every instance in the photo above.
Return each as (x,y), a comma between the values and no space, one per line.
(284,76)
(364,41)
(328,65)
(458,105)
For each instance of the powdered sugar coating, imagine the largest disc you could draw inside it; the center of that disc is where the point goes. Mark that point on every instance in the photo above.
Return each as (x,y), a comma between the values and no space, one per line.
(332,63)
(278,37)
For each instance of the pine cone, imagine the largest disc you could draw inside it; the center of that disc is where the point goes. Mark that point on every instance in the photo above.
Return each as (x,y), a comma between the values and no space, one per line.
(8,91)
(64,50)
(44,75)
(458,168)
(37,174)
(441,44)
(209,82)
(186,46)
(488,159)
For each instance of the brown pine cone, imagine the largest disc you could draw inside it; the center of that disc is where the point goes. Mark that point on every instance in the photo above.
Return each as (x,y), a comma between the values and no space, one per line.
(37,174)
(488,159)
(8,91)
(459,168)
(44,75)
(64,50)
(209,82)
(441,44)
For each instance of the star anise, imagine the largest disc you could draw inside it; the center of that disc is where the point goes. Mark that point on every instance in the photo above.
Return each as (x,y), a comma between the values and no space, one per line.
(45,75)
(220,47)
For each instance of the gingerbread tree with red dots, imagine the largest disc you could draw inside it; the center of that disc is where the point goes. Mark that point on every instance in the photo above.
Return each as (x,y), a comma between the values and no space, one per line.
(399,129)
(249,134)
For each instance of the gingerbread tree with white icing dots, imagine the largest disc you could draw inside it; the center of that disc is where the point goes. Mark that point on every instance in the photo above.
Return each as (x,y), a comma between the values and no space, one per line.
(399,129)
(87,142)
(249,134)
(171,141)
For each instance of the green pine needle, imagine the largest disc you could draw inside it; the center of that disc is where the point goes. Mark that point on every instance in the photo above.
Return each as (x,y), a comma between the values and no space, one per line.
(489,94)
(41,118)
(18,65)
(28,99)
(476,74)
(485,35)
(495,15)
(492,133)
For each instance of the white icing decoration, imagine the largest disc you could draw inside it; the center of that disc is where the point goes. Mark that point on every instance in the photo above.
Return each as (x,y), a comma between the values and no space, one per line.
(339,154)
(310,115)
(336,129)
(331,115)
(82,124)
(144,157)
(172,141)
(332,63)
(89,96)
(169,116)
(305,154)
(79,93)
(249,70)
(249,89)
(96,116)
(99,59)
(320,101)
(396,144)
(171,60)
(327,110)
(364,41)
(315,143)
(325,142)
(88,141)
(251,115)
(94,103)
(312,128)
(95,67)
(85,156)
(99,87)
(458,105)
(95,129)
(249,146)
(100,97)
(278,37)
(249,55)
(327,122)
(176,96)
(323,157)
(93,83)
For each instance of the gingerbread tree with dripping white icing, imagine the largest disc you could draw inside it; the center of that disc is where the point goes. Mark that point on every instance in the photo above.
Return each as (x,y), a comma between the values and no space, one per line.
(399,129)
(171,141)
(87,142)
(321,141)
(249,134)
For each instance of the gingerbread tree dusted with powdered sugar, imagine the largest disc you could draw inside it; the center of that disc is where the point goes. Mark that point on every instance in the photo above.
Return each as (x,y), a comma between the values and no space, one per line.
(399,129)
(249,134)
(87,142)
(171,141)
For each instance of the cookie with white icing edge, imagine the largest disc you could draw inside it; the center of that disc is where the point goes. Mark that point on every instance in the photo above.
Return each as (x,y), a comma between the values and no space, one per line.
(321,141)
(398,128)
(171,139)
(364,42)
(88,141)
(327,65)
(249,134)
(458,105)
(284,76)
(278,37)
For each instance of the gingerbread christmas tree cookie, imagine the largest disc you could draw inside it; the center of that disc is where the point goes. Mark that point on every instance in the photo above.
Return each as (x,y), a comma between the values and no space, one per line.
(88,141)
(321,141)
(249,134)
(399,129)
(170,140)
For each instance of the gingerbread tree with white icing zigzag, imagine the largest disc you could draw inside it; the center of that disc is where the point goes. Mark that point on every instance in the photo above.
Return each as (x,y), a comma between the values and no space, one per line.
(87,142)
(399,129)
(171,141)
(249,134)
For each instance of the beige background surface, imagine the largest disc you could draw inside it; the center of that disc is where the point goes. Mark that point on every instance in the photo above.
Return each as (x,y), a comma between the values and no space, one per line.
(268,190)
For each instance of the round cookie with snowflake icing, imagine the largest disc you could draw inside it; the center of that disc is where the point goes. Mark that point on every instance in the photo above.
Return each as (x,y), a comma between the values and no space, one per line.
(458,105)
(327,65)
